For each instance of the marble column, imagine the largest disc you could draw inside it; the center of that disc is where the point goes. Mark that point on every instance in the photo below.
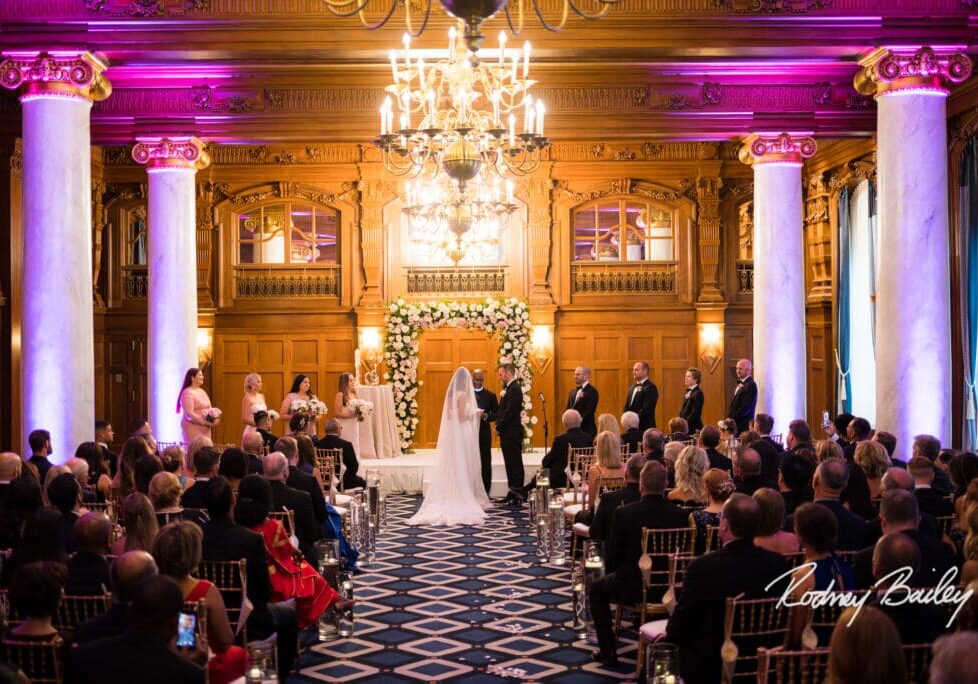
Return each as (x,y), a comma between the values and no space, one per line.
(57,334)
(913,301)
(779,275)
(172,165)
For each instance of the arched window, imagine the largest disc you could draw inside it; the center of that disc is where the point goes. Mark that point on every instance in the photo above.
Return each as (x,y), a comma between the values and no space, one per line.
(625,230)
(288,233)
(136,236)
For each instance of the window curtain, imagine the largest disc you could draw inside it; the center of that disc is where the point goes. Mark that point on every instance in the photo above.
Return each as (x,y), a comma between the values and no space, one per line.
(968,225)
(873,260)
(842,346)
(861,300)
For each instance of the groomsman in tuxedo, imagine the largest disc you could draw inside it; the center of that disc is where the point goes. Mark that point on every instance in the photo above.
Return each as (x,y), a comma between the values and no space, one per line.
(104,435)
(584,399)
(488,405)
(510,431)
(744,400)
(642,396)
(692,408)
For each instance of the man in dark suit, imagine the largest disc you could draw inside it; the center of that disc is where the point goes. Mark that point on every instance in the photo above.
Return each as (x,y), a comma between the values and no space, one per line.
(263,424)
(252,444)
(584,399)
(710,440)
(142,653)
(747,472)
(653,445)
(795,481)
(300,480)
(285,497)
(206,463)
(332,440)
(763,424)
(610,501)
(929,447)
(744,400)
(930,500)
(631,435)
(104,436)
(624,579)
(692,408)
(509,427)
(859,430)
(828,482)
(899,478)
(738,568)
(769,450)
(88,568)
(40,443)
(889,442)
(488,405)
(556,459)
(128,571)
(642,396)
(225,540)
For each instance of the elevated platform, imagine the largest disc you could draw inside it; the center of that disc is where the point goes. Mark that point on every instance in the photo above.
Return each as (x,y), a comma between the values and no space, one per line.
(411,473)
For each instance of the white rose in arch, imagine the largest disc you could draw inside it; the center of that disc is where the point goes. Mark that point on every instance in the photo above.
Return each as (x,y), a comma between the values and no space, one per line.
(533,420)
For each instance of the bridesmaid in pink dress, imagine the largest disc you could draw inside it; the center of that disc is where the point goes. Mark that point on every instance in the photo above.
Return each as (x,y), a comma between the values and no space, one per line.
(194,402)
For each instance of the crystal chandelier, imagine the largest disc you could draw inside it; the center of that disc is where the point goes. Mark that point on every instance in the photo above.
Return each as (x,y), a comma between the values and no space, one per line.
(460,116)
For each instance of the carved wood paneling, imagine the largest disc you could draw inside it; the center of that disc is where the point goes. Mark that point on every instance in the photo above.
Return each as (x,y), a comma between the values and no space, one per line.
(463,281)
(745,277)
(708,201)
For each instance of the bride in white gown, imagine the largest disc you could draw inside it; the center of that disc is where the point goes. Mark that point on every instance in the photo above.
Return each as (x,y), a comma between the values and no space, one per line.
(456,495)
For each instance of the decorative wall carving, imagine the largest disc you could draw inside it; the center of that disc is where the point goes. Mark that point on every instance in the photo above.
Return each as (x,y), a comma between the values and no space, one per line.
(757,97)
(745,277)
(539,199)
(98,230)
(818,229)
(266,285)
(628,186)
(887,69)
(648,151)
(136,284)
(596,279)
(374,195)
(262,154)
(745,231)
(708,201)
(464,281)
(283,190)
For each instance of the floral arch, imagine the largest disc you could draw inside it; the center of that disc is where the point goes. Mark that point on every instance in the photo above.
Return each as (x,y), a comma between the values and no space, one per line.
(509,319)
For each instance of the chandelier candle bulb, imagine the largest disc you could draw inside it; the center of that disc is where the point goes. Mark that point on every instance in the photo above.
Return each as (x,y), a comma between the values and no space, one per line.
(393,56)
(502,49)
(516,59)
(451,45)
(526,59)
(540,111)
(509,192)
(406,39)
(421,74)
(512,130)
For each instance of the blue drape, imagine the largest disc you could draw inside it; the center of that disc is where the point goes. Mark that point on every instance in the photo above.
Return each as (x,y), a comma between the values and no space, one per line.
(842,346)
(968,211)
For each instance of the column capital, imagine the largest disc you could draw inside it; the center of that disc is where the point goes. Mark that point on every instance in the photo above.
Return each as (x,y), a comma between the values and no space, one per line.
(776,148)
(171,153)
(886,70)
(57,73)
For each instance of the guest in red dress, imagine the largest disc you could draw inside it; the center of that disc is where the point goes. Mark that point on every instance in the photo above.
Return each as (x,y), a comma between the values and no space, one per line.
(290,574)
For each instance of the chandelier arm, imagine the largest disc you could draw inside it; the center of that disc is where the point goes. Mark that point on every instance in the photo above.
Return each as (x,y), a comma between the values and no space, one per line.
(424,22)
(519,18)
(565,12)
(605,6)
(373,27)
(339,7)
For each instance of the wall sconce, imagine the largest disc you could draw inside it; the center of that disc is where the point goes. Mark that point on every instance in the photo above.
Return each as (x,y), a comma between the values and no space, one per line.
(541,348)
(205,346)
(368,354)
(711,346)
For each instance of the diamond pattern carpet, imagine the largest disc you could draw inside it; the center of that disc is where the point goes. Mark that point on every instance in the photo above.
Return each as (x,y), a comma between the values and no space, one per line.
(461,604)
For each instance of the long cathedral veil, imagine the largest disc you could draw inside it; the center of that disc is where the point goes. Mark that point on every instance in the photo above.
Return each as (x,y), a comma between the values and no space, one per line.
(455,493)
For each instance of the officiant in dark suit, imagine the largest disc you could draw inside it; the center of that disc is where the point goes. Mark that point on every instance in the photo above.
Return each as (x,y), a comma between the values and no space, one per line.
(584,399)
(642,396)
(744,400)
(487,403)
(692,408)
(509,427)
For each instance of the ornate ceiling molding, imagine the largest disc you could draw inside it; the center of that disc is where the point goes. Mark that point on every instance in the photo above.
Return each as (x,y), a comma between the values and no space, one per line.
(57,73)
(888,70)
(639,151)
(284,190)
(629,186)
(785,148)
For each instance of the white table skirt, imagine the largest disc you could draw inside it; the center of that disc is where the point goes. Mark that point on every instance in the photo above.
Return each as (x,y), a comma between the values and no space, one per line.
(378,433)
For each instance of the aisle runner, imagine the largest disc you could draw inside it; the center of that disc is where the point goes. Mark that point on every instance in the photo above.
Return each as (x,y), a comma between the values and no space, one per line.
(460,604)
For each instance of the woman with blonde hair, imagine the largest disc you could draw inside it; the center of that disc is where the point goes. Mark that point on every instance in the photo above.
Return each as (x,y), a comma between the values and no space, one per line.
(138,519)
(867,651)
(770,534)
(608,423)
(827,448)
(690,467)
(196,445)
(718,486)
(873,459)
(252,402)
(607,463)
(164,494)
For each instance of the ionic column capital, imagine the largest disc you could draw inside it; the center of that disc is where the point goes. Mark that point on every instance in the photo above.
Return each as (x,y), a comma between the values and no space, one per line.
(887,70)
(171,153)
(75,75)
(779,148)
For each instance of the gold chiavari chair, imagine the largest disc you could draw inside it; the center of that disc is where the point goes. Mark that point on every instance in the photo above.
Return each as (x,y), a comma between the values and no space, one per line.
(326,464)
(286,517)
(41,661)
(231,579)
(918,662)
(822,619)
(750,624)
(580,460)
(712,538)
(777,666)
(647,632)
(945,523)
(793,559)
(74,610)
(582,531)
(105,507)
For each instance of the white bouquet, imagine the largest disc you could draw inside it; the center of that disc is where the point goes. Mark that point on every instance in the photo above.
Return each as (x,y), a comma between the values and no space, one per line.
(299,406)
(361,408)
(317,408)
(273,414)
(212,415)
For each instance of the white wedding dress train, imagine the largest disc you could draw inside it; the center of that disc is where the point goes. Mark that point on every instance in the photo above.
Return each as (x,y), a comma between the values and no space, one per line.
(456,495)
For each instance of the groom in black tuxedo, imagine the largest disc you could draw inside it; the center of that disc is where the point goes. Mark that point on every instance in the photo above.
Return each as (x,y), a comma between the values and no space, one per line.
(584,399)
(642,396)
(510,431)
(487,403)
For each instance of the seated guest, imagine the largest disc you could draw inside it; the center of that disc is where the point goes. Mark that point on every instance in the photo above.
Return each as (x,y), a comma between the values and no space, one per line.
(234,466)
(43,539)
(225,540)
(799,436)
(899,478)
(728,436)
(291,576)
(164,494)
(199,442)
(99,478)
(889,442)
(143,653)
(817,532)
(865,649)
(653,444)
(859,430)
(206,462)
(899,513)
(53,472)
(332,440)
(631,436)
(263,423)
(127,572)
(623,583)
(146,467)
(21,497)
(143,430)
(307,462)
(36,594)
(838,429)
(795,480)
(709,441)
(556,459)
(857,495)
(138,519)
(64,494)
(670,454)
(917,623)
(88,568)
(607,463)
(747,471)
(104,436)
(873,459)
(828,449)
(929,447)
(177,552)
(608,423)
(78,467)
(611,500)
(944,457)
(678,430)
(769,451)
(40,444)
(770,532)
(719,486)
(962,471)
(762,425)
(690,467)
(955,658)
(253,444)
(930,500)
(739,568)
(829,480)
(124,482)
(297,479)
(174,460)
(299,502)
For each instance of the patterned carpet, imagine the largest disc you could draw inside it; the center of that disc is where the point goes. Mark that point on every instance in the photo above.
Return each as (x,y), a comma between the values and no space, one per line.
(461,604)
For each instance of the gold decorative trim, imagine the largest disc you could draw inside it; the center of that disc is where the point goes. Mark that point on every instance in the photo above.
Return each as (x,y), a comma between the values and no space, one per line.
(745,277)
(78,75)
(176,153)
(759,148)
(465,281)
(886,70)
(267,286)
(629,186)
(136,284)
(289,190)
(601,279)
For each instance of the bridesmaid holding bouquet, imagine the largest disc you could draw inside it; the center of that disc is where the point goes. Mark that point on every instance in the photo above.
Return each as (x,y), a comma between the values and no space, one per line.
(198,414)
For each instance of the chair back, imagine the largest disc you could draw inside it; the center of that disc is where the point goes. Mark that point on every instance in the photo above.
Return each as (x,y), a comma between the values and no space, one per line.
(287,517)
(39,660)
(712,538)
(104,507)
(580,460)
(944,524)
(750,624)
(776,666)
(607,483)
(326,463)
(918,662)
(231,579)
(778,438)
(794,559)
(668,541)
(74,610)
(822,618)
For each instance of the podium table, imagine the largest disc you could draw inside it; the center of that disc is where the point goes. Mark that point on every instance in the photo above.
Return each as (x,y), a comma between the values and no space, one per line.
(378,432)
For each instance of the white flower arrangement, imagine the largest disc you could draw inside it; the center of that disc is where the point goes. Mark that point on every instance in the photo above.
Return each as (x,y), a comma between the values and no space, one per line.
(361,408)
(317,408)
(508,318)
(212,415)
(299,406)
